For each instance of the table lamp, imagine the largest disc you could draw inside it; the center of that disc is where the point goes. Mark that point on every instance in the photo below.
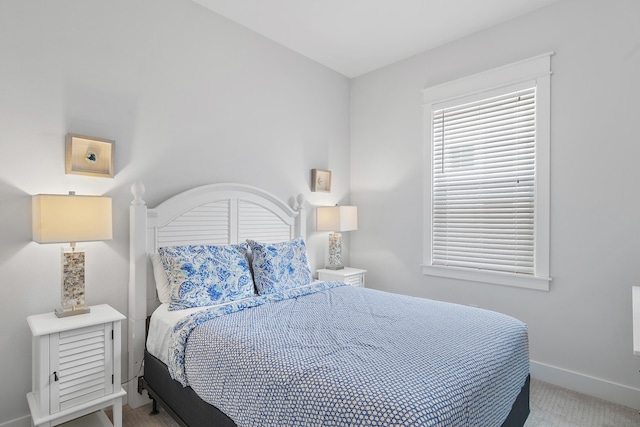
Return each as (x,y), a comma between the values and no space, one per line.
(336,219)
(71,219)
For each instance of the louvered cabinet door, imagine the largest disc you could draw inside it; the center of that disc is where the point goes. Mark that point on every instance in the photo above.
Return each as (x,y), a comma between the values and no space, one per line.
(352,276)
(81,365)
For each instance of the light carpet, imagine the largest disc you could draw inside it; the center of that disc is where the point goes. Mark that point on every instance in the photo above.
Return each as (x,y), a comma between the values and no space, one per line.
(551,406)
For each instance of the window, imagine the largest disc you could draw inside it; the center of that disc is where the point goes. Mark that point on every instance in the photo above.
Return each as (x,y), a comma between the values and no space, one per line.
(487,192)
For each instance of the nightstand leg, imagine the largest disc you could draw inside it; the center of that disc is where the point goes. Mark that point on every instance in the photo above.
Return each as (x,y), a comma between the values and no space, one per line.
(117,413)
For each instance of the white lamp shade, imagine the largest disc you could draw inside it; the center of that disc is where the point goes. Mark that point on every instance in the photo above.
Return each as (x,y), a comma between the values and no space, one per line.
(337,218)
(70,218)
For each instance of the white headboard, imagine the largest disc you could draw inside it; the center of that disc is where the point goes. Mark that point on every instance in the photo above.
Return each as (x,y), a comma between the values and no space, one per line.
(214,214)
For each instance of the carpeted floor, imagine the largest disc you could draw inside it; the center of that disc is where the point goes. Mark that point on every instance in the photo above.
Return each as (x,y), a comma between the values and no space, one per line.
(551,406)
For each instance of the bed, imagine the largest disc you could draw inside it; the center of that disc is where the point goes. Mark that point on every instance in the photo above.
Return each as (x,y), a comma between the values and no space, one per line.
(300,351)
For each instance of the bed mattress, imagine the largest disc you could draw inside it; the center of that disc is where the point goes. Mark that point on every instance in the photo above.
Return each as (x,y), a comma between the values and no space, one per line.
(339,355)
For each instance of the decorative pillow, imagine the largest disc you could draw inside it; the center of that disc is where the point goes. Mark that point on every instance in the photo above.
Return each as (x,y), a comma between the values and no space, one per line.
(162,282)
(280,266)
(204,275)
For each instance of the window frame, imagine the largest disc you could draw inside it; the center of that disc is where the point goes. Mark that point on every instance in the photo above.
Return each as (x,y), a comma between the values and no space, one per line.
(537,72)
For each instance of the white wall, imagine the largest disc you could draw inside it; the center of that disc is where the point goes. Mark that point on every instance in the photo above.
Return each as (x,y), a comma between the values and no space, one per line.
(580,331)
(189,97)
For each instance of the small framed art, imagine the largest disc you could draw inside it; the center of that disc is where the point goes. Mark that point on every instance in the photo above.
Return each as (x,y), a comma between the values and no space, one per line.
(320,180)
(86,155)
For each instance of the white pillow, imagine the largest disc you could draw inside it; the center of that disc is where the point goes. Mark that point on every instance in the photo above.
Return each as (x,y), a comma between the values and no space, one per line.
(162,281)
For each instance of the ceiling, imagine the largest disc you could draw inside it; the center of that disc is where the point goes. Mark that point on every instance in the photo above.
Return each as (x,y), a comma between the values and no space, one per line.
(354,37)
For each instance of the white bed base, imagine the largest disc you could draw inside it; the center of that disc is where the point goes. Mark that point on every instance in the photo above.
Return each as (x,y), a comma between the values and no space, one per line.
(213,214)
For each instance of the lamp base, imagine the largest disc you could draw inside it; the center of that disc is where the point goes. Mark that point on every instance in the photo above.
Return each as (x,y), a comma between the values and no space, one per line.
(335,252)
(72,300)
(72,311)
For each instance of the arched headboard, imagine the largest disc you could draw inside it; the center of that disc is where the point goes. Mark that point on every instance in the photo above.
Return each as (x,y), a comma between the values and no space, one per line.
(214,214)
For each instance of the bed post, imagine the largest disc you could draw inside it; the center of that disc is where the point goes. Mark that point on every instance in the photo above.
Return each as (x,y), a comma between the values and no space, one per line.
(137,292)
(301,229)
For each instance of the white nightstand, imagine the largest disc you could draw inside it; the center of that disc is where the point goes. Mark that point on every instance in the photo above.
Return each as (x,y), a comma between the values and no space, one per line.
(76,368)
(352,276)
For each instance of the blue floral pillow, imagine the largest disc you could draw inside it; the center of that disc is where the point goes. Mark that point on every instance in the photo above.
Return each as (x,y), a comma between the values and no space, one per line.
(204,275)
(280,266)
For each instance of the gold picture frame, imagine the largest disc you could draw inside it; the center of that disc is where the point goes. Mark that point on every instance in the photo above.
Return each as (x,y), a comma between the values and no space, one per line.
(86,155)
(320,180)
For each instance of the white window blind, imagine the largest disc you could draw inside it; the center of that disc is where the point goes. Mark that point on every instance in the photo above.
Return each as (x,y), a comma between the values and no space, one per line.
(483,199)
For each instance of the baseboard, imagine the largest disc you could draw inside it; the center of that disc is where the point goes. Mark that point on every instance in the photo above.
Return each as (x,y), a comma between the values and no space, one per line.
(19,422)
(602,389)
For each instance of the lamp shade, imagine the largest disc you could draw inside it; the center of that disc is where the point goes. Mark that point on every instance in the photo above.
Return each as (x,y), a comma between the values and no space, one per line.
(337,218)
(71,218)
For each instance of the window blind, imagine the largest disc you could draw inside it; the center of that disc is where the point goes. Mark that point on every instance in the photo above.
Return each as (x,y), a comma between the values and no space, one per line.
(483,205)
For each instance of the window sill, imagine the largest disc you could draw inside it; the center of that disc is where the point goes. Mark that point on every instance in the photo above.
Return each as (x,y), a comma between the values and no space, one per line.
(505,279)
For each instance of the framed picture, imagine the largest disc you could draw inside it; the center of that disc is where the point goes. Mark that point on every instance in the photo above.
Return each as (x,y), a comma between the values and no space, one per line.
(86,155)
(320,180)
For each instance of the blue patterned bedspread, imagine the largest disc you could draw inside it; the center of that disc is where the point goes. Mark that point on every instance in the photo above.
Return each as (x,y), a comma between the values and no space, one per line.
(336,355)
